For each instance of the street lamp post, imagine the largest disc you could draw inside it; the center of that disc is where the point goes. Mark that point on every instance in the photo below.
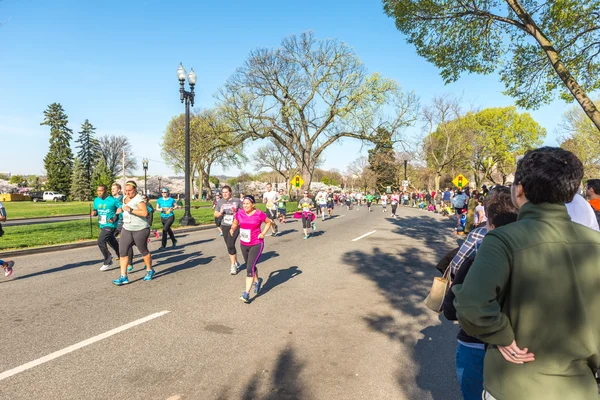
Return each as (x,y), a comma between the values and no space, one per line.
(159,184)
(187,98)
(145,166)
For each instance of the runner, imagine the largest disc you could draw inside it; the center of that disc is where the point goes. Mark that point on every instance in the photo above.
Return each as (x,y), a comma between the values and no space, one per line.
(330,202)
(252,241)
(7,266)
(322,203)
(226,209)
(384,201)
(135,231)
(217,220)
(369,199)
(395,201)
(106,208)
(281,209)
(306,204)
(270,199)
(348,201)
(166,204)
(115,190)
(358,198)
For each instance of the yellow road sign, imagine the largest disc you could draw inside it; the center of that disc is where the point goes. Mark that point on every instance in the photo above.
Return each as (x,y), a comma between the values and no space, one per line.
(460,181)
(297,181)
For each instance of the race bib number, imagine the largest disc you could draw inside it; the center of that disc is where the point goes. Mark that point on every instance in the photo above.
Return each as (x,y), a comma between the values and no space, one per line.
(228,219)
(245,235)
(281,204)
(102,219)
(127,216)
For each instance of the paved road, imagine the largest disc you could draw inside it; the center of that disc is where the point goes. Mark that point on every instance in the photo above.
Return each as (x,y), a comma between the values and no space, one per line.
(337,319)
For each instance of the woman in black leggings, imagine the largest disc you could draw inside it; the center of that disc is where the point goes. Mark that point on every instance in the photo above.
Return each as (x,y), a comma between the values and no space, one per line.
(225,210)
(166,204)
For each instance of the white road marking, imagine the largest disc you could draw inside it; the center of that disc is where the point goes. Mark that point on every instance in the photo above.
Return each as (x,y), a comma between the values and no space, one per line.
(363,236)
(77,346)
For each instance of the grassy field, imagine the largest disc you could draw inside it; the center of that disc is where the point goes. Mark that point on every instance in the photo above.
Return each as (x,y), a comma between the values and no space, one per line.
(24,236)
(29,209)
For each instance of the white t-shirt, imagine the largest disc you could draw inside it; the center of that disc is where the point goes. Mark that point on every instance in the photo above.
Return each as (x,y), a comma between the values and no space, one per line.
(271,199)
(582,212)
(484,218)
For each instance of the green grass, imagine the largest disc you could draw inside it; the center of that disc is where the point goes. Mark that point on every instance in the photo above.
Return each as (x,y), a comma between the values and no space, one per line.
(29,209)
(24,236)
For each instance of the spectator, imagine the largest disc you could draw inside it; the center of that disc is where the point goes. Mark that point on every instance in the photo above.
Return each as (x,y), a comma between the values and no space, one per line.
(547,344)
(471,205)
(582,212)
(470,351)
(593,193)
(458,202)
(446,197)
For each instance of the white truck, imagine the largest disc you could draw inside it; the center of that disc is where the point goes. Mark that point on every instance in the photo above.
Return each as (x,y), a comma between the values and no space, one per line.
(47,196)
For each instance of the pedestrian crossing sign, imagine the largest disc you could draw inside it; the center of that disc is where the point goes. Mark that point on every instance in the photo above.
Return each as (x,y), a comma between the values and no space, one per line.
(297,181)
(460,181)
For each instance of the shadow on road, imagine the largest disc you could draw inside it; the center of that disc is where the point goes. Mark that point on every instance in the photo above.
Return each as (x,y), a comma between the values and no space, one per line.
(404,279)
(282,383)
(57,269)
(268,255)
(191,261)
(287,231)
(277,278)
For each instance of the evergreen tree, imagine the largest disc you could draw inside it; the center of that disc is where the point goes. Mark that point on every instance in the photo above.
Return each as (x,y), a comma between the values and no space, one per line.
(59,160)
(102,175)
(382,162)
(89,151)
(80,185)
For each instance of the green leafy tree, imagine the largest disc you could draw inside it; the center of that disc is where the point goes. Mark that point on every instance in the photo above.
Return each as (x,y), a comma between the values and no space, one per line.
(538,48)
(80,184)
(102,174)
(59,160)
(215,181)
(580,137)
(16,179)
(89,151)
(382,162)
(308,94)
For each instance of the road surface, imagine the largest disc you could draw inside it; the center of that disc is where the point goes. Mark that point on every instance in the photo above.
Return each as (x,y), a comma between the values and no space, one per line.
(340,316)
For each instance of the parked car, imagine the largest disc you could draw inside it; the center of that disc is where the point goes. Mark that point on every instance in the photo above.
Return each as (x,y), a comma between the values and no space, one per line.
(47,196)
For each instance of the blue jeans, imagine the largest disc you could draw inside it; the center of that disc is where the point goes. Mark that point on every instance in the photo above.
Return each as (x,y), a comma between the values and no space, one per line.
(469,371)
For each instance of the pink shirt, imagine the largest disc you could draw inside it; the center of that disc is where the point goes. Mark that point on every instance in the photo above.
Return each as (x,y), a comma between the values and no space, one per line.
(250,226)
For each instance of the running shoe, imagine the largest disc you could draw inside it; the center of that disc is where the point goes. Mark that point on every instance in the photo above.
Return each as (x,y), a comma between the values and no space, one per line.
(273,233)
(106,267)
(123,280)
(174,243)
(129,268)
(245,297)
(305,236)
(156,234)
(234,269)
(149,275)
(8,268)
(221,234)
(257,285)
(314,226)
(161,248)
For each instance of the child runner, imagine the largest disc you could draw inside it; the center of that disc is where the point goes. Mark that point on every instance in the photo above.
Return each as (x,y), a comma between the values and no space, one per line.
(384,200)
(252,241)
(281,210)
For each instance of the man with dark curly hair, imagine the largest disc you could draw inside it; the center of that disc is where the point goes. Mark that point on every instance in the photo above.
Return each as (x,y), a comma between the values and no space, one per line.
(532,292)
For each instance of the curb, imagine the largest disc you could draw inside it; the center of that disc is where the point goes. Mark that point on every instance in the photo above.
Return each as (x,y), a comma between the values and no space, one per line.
(86,243)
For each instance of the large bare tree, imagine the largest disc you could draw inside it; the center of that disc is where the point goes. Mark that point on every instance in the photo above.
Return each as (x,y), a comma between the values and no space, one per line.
(112,148)
(310,93)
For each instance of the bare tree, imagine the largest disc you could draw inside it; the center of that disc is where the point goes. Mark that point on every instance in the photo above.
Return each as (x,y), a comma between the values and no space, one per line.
(277,157)
(111,148)
(443,147)
(308,94)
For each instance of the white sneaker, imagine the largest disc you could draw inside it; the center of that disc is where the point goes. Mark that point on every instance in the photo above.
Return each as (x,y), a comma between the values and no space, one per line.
(106,267)
(234,269)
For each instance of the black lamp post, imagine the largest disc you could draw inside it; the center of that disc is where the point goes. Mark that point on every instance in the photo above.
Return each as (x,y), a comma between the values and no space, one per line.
(159,184)
(188,98)
(145,166)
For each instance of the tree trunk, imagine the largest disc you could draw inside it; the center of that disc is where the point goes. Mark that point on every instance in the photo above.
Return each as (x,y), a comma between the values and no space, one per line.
(200,182)
(563,73)
(438,177)
(209,193)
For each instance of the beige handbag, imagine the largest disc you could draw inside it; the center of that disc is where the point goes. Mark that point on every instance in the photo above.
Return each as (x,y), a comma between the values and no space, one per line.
(435,299)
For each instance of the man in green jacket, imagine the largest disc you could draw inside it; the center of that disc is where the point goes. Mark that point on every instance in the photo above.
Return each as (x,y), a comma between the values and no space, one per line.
(533,292)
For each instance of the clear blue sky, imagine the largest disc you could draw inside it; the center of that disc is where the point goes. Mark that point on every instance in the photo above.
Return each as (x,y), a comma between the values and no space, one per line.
(114,62)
